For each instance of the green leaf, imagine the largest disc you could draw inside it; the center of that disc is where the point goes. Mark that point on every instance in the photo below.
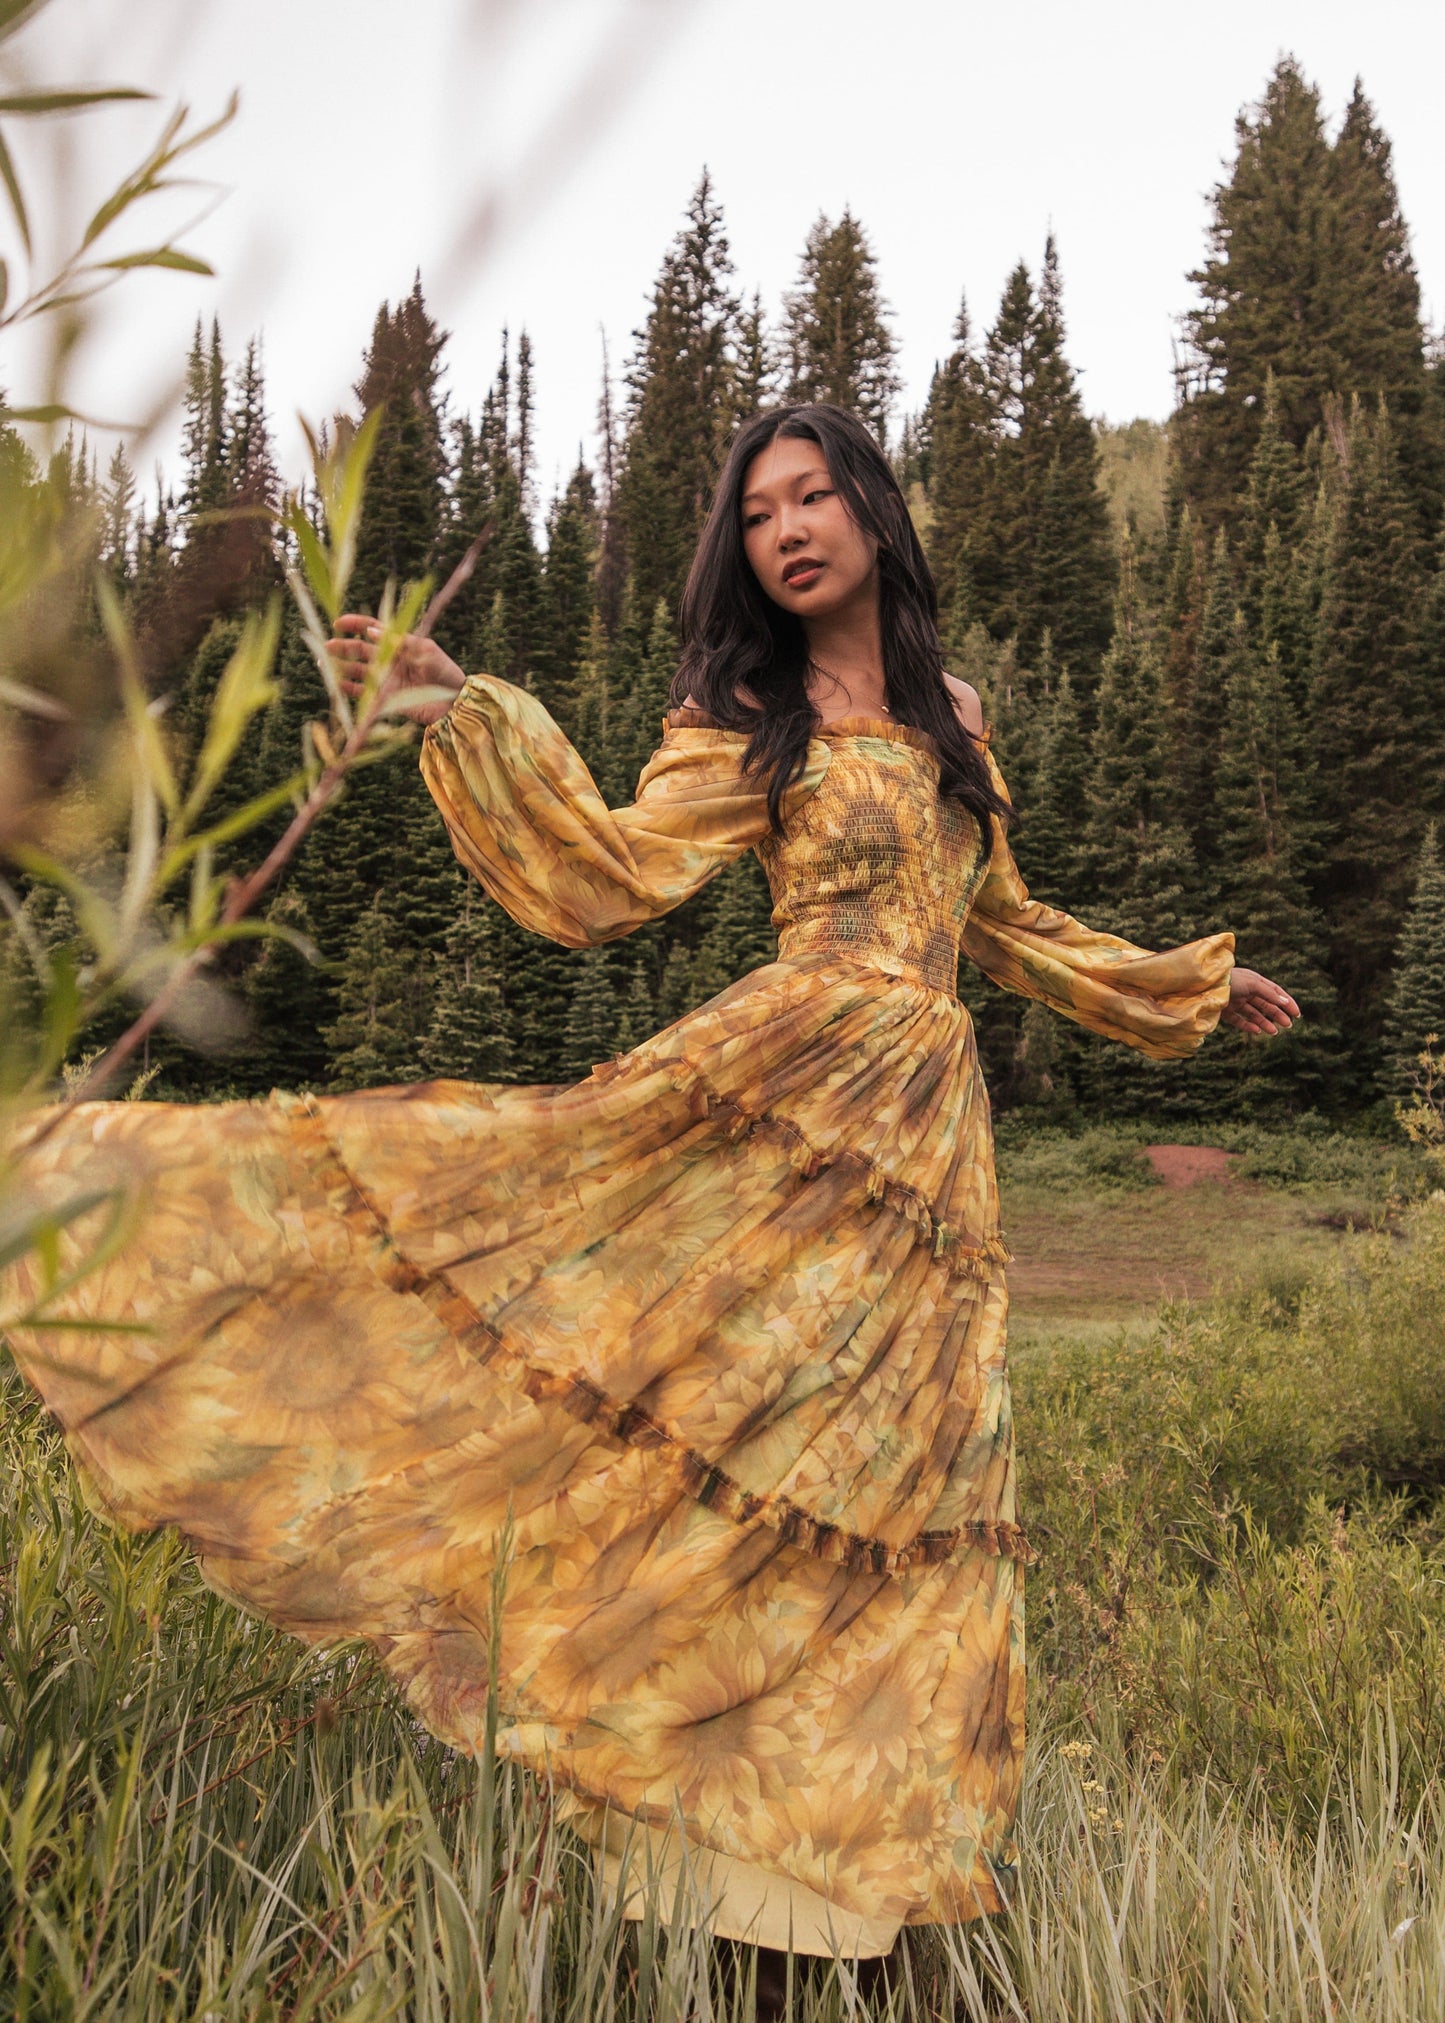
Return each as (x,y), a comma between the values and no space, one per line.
(49,413)
(315,561)
(160,256)
(149,745)
(42,1230)
(69,101)
(12,190)
(234,825)
(244,688)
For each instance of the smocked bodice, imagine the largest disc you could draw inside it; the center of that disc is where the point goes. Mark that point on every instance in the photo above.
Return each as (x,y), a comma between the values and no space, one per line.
(875,867)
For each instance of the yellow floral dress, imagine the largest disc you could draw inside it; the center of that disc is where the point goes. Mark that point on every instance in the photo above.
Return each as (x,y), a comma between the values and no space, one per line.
(719,1332)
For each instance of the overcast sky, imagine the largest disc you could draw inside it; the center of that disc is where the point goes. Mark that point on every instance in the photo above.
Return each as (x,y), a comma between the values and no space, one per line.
(373,134)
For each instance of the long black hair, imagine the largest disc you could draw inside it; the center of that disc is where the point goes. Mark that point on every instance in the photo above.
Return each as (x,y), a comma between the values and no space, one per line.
(734,636)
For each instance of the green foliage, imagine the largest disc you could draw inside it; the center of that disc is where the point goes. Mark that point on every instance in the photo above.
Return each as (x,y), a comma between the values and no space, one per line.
(375,1036)
(1021,527)
(1417,996)
(1308,282)
(469,1036)
(683,401)
(1238,1516)
(1376,735)
(594,1016)
(836,338)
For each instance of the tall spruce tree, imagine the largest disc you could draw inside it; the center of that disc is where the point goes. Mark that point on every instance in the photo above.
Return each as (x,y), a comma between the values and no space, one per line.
(958,468)
(682,404)
(569,594)
(1309,278)
(118,509)
(1264,855)
(289,1002)
(594,1016)
(836,338)
(402,516)
(1377,750)
(469,1035)
(376,1035)
(1416,1005)
(1048,844)
(1137,856)
(1042,555)
(364,858)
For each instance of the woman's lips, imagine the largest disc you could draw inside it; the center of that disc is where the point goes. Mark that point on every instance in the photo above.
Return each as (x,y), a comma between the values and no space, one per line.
(799,577)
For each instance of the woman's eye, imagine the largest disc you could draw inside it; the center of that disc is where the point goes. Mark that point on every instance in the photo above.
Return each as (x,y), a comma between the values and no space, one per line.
(808,497)
(754,519)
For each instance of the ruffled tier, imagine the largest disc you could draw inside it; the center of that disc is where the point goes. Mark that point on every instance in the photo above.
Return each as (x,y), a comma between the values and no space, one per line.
(730,1369)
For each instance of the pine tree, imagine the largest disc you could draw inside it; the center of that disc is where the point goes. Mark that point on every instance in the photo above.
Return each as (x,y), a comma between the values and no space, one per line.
(637,727)
(374,1037)
(203,432)
(1416,1006)
(363,856)
(290,1004)
(469,1035)
(1308,277)
(612,546)
(402,516)
(1138,858)
(569,596)
(1071,595)
(593,1017)
(592,718)
(197,695)
(1273,511)
(639,1011)
(676,995)
(1048,840)
(1377,749)
(836,338)
(740,936)
(1042,555)
(958,465)
(1265,853)
(683,398)
(118,506)
(1195,733)
(757,366)
(252,484)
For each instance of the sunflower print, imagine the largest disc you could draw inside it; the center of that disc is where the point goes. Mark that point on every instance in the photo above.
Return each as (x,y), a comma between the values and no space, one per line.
(717,1335)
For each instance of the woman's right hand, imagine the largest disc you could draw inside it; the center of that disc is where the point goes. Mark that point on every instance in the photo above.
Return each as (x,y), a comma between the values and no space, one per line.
(416,664)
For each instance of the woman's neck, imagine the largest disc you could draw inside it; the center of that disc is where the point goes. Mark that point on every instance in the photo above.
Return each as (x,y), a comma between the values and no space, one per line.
(845,648)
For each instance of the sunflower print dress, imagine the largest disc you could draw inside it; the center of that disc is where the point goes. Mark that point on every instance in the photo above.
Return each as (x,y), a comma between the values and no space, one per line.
(714,1338)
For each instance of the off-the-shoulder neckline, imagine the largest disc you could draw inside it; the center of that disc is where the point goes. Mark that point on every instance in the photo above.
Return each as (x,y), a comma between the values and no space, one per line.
(840,727)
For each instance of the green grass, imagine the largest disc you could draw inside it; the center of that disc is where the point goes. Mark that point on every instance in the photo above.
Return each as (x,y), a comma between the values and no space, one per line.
(1235,1795)
(1099,1243)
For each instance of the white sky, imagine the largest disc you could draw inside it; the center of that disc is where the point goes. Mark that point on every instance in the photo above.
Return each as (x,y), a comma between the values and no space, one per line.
(370,130)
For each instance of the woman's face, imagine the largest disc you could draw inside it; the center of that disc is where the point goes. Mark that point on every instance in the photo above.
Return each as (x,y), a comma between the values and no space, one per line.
(806,550)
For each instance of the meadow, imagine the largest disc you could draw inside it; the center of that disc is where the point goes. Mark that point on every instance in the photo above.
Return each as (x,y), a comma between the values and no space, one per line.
(1235,1802)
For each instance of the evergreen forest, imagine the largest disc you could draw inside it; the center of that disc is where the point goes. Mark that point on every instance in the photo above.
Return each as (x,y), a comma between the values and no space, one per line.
(1213,650)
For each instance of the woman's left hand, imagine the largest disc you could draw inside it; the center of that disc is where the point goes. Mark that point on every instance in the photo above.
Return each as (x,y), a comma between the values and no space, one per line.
(1258,1006)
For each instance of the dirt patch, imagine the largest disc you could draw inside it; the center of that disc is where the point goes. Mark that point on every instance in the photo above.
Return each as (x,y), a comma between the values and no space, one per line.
(1183,1165)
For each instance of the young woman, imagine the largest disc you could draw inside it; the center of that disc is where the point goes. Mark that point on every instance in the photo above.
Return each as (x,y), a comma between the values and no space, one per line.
(720,1331)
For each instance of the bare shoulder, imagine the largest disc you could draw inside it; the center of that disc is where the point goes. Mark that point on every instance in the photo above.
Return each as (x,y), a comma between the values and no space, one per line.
(966,705)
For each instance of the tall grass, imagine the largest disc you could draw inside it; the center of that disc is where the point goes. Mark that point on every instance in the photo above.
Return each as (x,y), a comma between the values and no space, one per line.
(1235,1800)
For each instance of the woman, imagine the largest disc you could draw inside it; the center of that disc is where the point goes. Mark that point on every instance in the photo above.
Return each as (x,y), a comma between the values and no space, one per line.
(719,1331)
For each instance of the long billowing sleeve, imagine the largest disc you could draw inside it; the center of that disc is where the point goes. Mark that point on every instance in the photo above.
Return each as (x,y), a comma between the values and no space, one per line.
(526,818)
(1164,1004)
